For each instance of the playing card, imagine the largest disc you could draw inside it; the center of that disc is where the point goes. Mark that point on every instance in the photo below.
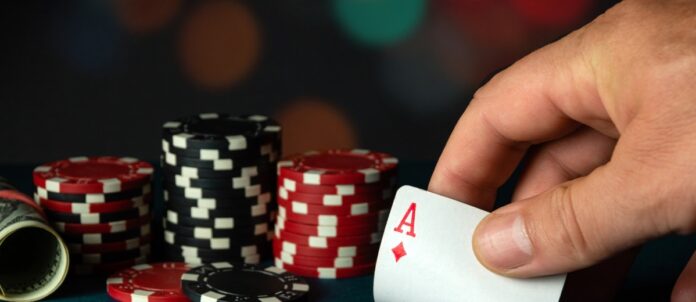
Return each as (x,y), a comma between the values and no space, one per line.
(426,255)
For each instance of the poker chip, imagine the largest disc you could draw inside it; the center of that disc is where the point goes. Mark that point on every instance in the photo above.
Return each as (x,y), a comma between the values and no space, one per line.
(203,213)
(326,272)
(227,282)
(196,252)
(217,203)
(340,189)
(129,244)
(338,262)
(322,242)
(155,282)
(99,238)
(334,220)
(251,259)
(106,257)
(207,233)
(267,151)
(344,210)
(223,164)
(328,252)
(91,208)
(202,173)
(101,207)
(333,200)
(223,243)
(98,217)
(109,227)
(221,131)
(104,174)
(328,231)
(198,193)
(215,222)
(337,166)
(240,182)
(94,197)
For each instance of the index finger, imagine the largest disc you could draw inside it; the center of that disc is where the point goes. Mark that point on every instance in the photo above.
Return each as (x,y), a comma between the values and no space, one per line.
(539,98)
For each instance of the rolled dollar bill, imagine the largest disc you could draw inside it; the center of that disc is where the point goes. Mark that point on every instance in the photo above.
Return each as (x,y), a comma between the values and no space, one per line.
(33,258)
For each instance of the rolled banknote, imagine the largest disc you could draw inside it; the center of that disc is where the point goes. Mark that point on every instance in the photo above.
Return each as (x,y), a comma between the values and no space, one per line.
(33,258)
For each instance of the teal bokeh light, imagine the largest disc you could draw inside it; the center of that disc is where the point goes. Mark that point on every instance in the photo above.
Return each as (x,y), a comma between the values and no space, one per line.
(379,22)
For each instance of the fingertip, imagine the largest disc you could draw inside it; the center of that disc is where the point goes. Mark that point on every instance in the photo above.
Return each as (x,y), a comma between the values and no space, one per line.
(501,243)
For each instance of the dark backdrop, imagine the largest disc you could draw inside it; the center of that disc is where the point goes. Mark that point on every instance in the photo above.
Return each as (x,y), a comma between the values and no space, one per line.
(97,77)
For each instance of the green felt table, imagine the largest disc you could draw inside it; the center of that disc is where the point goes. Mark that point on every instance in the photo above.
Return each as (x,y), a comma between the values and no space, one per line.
(650,279)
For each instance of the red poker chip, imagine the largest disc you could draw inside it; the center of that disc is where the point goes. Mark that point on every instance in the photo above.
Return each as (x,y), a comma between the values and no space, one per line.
(334,220)
(345,210)
(334,200)
(110,246)
(148,282)
(105,268)
(102,228)
(337,262)
(327,242)
(82,175)
(92,208)
(332,252)
(328,231)
(338,166)
(344,189)
(326,272)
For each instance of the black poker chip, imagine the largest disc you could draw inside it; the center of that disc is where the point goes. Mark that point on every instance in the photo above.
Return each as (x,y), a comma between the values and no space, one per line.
(226,164)
(264,250)
(196,172)
(94,218)
(242,233)
(249,211)
(229,282)
(266,151)
(219,130)
(220,183)
(215,222)
(94,198)
(198,193)
(218,203)
(215,243)
(98,238)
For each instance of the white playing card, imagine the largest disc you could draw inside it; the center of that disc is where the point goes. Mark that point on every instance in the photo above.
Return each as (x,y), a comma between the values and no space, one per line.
(426,255)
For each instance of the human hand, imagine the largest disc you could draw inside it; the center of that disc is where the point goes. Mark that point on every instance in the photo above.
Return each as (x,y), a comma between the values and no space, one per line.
(611,112)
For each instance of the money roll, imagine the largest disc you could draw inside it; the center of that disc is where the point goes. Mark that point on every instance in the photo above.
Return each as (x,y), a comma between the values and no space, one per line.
(33,258)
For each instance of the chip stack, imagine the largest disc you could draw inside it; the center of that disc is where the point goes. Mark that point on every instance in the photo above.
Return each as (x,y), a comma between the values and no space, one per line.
(219,182)
(332,208)
(101,208)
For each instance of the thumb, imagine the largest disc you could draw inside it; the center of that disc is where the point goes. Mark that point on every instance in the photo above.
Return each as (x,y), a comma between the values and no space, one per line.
(569,227)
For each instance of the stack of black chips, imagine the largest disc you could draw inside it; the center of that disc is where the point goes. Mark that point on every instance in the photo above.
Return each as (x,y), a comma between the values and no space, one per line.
(219,179)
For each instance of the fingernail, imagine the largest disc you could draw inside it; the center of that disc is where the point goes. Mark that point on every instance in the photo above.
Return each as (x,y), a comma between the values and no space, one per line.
(502,242)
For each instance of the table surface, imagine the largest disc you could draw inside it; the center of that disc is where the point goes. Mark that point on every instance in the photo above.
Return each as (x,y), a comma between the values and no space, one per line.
(651,276)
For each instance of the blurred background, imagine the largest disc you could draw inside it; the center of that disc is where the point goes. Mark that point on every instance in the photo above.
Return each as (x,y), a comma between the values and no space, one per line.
(100,77)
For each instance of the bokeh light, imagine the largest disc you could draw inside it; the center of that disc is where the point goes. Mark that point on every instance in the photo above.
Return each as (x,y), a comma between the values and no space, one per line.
(220,44)
(142,17)
(489,24)
(412,75)
(310,123)
(379,22)
(553,12)
(87,36)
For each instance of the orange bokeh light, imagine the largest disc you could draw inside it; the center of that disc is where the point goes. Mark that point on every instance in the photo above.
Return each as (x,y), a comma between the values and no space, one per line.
(143,17)
(313,124)
(220,44)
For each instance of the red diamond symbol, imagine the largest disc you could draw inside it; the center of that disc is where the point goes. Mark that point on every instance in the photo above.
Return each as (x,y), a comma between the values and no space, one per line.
(399,251)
